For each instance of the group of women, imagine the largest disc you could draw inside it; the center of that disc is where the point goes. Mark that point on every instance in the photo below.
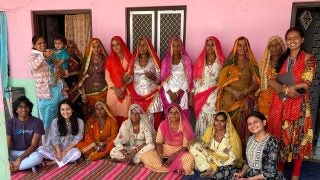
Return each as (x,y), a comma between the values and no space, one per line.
(123,98)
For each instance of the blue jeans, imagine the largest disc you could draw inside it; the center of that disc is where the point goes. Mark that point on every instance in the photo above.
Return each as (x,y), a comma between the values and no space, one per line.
(28,162)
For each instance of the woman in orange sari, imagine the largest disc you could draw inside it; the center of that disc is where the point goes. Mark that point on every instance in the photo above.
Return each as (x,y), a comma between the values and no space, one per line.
(238,81)
(144,89)
(268,62)
(92,85)
(290,113)
(117,78)
(101,129)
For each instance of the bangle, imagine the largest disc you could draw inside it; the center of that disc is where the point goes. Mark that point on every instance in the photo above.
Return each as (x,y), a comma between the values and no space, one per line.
(286,91)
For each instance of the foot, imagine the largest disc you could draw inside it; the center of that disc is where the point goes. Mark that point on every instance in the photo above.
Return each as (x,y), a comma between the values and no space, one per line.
(207,174)
(295,178)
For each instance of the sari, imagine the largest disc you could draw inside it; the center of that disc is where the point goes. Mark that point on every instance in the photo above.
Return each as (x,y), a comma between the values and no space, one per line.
(175,77)
(239,79)
(172,142)
(290,120)
(205,87)
(115,69)
(265,68)
(128,140)
(209,153)
(144,91)
(94,134)
(92,80)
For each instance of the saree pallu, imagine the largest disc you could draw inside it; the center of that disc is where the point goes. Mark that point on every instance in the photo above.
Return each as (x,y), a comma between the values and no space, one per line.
(290,120)
(201,99)
(265,97)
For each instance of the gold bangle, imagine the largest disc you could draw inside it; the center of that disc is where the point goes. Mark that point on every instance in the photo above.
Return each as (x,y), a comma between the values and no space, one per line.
(286,91)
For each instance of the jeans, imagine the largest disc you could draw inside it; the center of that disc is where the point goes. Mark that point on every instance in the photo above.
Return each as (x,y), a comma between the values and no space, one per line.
(28,162)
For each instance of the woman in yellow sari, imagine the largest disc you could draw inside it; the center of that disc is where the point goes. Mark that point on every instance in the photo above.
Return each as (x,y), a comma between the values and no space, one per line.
(238,81)
(220,146)
(100,132)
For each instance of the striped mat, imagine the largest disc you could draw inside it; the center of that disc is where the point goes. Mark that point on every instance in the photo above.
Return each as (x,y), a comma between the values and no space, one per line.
(102,169)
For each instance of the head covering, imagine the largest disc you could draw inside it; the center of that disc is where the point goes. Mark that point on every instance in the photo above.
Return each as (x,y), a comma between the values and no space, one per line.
(234,138)
(186,60)
(88,54)
(76,49)
(113,62)
(265,60)
(184,126)
(199,64)
(107,109)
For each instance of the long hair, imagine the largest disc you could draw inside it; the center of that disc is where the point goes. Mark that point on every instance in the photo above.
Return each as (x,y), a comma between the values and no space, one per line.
(62,126)
(285,55)
(17,102)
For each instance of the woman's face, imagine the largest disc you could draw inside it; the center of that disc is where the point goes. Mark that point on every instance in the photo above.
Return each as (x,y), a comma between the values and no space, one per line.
(134,116)
(294,40)
(23,110)
(40,45)
(275,48)
(174,114)
(142,47)
(256,125)
(70,48)
(116,46)
(220,123)
(66,111)
(100,112)
(176,47)
(242,47)
(210,47)
(96,48)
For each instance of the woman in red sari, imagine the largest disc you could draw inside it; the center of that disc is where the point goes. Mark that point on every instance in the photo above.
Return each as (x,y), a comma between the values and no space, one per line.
(117,78)
(290,112)
(144,89)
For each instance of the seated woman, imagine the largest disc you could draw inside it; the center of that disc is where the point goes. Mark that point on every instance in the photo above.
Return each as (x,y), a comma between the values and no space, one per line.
(101,129)
(65,133)
(260,165)
(135,137)
(220,146)
(23,136)
(173,139)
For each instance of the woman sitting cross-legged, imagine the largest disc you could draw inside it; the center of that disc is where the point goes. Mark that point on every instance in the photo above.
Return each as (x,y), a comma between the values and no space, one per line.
(173,138)
(135,137)
(219,148)
(100,131)
(65,133)
(23,136)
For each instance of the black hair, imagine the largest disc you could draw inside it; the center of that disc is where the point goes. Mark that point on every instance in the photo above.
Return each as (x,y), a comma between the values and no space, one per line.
(222,114)
(62,126)
(258,115)
(17,102)
(61,38)
(35,38)
(286,54)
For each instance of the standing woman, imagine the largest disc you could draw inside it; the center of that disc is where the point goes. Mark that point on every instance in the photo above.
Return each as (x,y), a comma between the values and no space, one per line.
(48,95)
(205,76)
(176,76)
(65,133)
(92,85)
(117,78)
(290,113)
(267,65)
(145,68)
(238,81)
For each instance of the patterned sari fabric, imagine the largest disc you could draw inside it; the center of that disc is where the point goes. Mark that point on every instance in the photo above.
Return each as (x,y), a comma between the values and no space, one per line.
(205,86)
(294,114)
(115,69)
(94,134)
(265,94)
(209,153)
(175,77)
(172,142)
(239,79)
(93,74)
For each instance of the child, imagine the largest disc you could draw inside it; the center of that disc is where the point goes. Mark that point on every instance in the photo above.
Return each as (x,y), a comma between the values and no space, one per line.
(59,61)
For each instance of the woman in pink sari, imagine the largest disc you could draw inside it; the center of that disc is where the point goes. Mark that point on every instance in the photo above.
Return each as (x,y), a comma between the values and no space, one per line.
(205,76)
(176,76)
(174,136)
(117,78)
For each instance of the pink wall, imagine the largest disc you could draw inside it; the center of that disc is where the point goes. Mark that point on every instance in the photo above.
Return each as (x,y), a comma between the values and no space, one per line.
(256,19)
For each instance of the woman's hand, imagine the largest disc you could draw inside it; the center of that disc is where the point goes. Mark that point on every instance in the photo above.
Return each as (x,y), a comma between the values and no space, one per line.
(238,175)
(59,155)
(126,79)
(292,92)
(237,94)
(48,53)
(119,92)
(150,75)
(15,165)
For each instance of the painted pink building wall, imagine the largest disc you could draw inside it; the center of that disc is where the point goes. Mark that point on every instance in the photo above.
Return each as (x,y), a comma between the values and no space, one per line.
(255,19)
